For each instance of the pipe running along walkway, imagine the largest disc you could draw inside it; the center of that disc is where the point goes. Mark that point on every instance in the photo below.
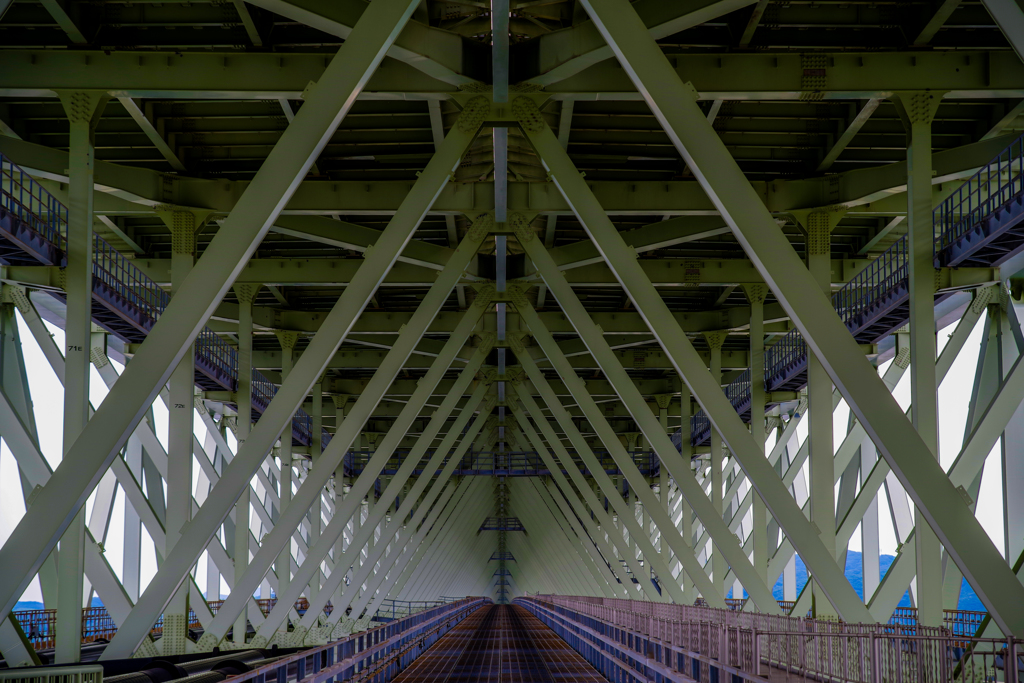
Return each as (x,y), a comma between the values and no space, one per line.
(500,643)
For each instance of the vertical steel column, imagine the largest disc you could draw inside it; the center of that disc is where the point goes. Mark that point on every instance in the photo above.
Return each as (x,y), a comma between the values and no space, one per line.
(917,111)
(675,107)
(132,567)
(756,295)
(67,491)
(83,110)
(719,569)
(340,485)
(819,406)
(1012,443)
(181,406)
(246,296)
(316,412)
(283,566)
(869,539)
(686,512)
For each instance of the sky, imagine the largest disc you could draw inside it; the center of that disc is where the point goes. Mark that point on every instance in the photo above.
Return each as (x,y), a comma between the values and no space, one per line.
(47,395)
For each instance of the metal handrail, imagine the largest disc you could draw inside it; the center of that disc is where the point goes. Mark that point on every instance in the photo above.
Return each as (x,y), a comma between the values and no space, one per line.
(25,198)
(876,280)
(976,199)
(122,277)
(991,187)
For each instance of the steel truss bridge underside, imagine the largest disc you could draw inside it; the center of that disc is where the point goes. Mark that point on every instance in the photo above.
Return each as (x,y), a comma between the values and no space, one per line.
(554,304)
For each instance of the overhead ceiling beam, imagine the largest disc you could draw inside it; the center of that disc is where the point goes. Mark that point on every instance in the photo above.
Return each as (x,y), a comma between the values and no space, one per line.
(558,55)
(432,51)
(943,10)
(855,188)
(1010,17)
(62,11)
(669,274)
(151,132)
(247,21)
(346,235)
(384,324)
(129,190)
(847,135)
(727,76)
(113,226)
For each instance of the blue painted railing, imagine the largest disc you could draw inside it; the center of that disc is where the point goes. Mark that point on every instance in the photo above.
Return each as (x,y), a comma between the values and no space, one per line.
(42,222)
(885,280)
(992,187)
(29,201)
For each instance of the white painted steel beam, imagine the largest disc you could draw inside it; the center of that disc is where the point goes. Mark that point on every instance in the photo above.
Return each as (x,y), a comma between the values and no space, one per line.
(684,357)
(313,360)
(59,502)
(825,334)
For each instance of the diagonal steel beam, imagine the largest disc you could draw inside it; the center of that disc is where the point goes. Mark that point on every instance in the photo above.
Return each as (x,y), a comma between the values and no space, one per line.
(87,459)
(561,507)
(1009,15)
(438,531)
(384,452)
(825,334)
(266,431)
(396,529)
(943,10)
(395,564)
(579,538)
(590,461)
(311,364)
(689,365)
(570,51)
(651,428)
(847,135)
(684,553)
(563,492)
(151,132)
(620,550)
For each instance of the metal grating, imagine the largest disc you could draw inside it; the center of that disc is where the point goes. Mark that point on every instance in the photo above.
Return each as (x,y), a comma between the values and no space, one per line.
(501,643)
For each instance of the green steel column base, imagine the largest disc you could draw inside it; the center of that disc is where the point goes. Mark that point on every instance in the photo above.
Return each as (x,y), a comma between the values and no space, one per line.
(320,635)
(146,649)
(207,642)
(296,637)
(259,642)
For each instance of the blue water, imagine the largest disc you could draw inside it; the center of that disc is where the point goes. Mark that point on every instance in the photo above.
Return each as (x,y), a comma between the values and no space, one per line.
(854,573)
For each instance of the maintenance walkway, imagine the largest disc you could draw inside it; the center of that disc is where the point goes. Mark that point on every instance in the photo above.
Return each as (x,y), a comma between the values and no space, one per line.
(500,643)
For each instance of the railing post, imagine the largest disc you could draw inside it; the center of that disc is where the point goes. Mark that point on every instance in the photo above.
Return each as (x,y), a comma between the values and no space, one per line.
(876,659)
(1010,661)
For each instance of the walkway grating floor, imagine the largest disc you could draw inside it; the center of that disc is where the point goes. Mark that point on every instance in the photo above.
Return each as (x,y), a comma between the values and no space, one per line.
(500,643)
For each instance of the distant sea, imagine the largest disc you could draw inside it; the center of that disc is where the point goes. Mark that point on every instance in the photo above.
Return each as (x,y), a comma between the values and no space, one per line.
(855,575)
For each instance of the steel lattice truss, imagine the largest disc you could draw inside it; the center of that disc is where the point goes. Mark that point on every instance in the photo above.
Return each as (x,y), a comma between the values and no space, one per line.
(432,273)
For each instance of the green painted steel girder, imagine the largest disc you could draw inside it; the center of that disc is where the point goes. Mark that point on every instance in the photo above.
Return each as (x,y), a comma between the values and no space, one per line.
(731,76)
(126,190)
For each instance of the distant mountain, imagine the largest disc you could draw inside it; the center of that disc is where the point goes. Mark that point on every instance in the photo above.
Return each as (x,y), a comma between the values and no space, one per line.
(33,605)
(855,574)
